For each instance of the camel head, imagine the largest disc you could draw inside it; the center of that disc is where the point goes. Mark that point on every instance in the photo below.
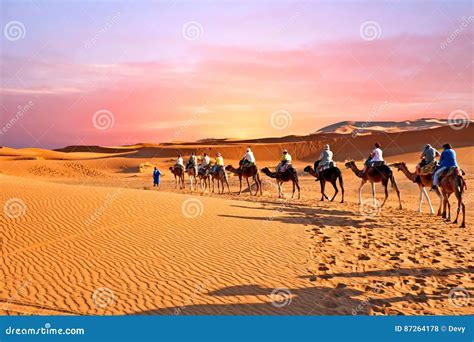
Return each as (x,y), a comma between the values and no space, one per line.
(265,170)
(229,168)
(307,169)
(349,164)
(171,168)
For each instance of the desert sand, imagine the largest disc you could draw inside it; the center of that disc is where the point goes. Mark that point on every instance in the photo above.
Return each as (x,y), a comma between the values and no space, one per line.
(84,232)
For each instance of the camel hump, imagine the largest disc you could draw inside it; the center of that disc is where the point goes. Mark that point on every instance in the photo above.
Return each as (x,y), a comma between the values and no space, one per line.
(382,167)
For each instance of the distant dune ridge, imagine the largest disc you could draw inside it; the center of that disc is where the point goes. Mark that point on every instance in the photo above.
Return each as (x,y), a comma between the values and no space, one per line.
(348,139)
(365,127)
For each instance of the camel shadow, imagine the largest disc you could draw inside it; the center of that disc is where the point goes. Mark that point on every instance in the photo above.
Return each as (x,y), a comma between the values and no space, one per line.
(280,301)
(400,272)
(301,301)
(301,214)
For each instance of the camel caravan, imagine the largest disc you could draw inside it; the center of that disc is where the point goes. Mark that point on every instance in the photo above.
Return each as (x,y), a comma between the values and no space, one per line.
(443,177)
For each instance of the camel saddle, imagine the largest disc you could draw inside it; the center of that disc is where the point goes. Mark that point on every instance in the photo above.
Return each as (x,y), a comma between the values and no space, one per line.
(245,164)
(429,168)
(203,170)
(452,170)
(284,167)
(327,166)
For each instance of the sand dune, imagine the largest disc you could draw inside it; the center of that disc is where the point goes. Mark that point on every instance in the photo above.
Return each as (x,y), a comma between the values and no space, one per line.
(91,237)
(345,146)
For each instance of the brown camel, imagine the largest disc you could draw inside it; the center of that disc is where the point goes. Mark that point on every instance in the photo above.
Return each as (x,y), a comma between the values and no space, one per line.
(330,175)
(204,177)
(289,174)
(381,174)
(247,172)
(453,182)
(178,172)
(423,182)
(191,170)
(220,176)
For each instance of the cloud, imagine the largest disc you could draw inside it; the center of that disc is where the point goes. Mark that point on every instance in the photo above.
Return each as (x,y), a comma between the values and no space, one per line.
(327,81)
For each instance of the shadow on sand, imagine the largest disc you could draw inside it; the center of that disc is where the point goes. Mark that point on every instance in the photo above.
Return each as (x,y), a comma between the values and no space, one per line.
(302,301)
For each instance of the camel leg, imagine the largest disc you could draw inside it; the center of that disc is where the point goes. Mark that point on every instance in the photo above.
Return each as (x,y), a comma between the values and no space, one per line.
(385,188)
(280,190)
(323,185)
(449,210)
(256,183)
(445,204)
(420,200)
(362,183)
(373,194)
(446,208)
(394,183)
(440,201)
(341,184)
(240,189)
(460,207)
(428,200)
(335,190)
(227,183)
(293,194)
(248,184)
(298,187)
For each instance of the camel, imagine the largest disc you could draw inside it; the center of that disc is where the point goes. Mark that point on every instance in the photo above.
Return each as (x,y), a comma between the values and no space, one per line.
(191,170)
(221,177)
(453,182)
(381,174)
(178,172)
(247,172)
(282,177)
(423,182)
(328,175)
(204,177)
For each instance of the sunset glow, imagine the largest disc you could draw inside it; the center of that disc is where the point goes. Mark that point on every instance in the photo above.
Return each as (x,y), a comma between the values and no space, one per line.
(191,70)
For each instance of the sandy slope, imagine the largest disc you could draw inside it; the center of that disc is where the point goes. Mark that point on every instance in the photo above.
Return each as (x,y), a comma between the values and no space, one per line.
(93,241)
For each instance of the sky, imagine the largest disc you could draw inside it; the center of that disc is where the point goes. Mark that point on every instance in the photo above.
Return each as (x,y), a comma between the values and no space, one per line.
(123,72)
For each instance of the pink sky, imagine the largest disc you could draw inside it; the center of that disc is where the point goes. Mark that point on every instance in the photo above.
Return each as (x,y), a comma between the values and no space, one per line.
(308,63)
